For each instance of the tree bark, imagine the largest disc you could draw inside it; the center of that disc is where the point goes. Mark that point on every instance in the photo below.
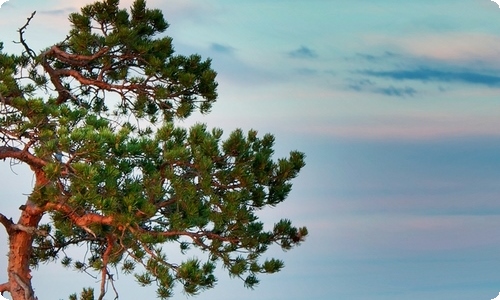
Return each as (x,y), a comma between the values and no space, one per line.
(20,247)
(20,243)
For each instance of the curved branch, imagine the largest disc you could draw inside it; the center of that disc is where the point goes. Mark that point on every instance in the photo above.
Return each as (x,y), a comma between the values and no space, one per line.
(22,155)
(71,59)
(81,221)
(64,94)
(77,60)
(100,84)
(56,74)
(105,260)
(74,59)
(4,287)
(21,30)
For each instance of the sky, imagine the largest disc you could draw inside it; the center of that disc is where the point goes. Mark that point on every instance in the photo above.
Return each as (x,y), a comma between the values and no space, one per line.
(396,105)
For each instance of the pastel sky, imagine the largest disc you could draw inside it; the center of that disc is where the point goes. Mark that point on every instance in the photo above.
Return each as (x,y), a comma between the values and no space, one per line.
(397,107)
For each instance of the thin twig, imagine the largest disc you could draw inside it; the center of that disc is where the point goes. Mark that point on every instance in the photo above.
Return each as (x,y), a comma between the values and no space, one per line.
(21,30)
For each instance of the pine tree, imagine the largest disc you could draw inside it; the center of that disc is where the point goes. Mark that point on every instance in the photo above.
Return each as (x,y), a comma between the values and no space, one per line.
(94,119)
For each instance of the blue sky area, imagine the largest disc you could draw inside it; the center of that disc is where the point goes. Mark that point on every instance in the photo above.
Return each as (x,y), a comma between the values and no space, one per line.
(395,103)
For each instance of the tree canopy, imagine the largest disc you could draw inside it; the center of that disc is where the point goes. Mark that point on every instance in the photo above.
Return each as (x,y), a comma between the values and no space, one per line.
(94,118)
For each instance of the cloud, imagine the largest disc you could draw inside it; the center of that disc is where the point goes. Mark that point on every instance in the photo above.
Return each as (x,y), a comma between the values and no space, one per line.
(376,58)
(395,91)
(392,67)
(426,74)
(302,52)
(219,48)
(57,12)
(461,47)
(360,85)
(363,85)
(379,123)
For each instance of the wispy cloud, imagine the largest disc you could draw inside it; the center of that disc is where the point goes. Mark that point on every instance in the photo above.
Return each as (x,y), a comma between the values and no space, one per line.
(219,48)
(462,48)
(384,72)
(57,12)
(376,57)
(367,85)
(303,52)
(360,85)
(396,91)
(426,74)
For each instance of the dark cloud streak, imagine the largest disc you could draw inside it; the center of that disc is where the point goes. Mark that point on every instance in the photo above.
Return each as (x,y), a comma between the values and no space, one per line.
(376,58)
(395,91)
(428,74)
(368,85)
(219,48)
(302,52)
(58,12)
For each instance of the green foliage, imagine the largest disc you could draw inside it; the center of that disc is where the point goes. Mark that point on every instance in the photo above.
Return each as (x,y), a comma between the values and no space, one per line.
(171,85)
(86,294)
(121,177)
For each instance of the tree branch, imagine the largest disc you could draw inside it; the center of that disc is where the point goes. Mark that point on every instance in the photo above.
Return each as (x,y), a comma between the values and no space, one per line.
(30,52)
(105,260)
(101,84)
(6,222)
(81,221)
(74,59)
(4,287)
(29,230)
(64,94)
(21,155)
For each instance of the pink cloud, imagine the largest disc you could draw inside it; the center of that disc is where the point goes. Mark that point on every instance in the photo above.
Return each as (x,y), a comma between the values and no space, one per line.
(412,130)
(465,47)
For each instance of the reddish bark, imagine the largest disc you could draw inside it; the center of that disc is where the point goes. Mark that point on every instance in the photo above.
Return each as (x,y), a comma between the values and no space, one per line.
(20,245)
(21,236)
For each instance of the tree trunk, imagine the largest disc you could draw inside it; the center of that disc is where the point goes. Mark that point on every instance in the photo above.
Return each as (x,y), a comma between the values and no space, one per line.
(20,243)
(21,237)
